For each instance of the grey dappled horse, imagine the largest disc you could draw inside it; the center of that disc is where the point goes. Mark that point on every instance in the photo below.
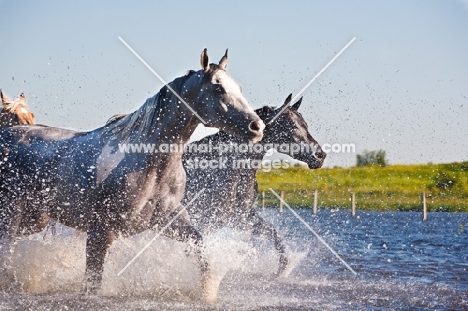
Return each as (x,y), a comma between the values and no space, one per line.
(14,112)
(230,188)
(80,179)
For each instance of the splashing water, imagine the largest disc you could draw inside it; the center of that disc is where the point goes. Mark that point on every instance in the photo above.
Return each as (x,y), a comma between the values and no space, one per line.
(401,262)
(43,263)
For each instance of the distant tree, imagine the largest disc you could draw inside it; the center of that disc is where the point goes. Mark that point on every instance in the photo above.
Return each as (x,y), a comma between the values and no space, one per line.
(369,158)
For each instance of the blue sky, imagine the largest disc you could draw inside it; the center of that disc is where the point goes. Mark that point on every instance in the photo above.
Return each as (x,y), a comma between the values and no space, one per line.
(401,86)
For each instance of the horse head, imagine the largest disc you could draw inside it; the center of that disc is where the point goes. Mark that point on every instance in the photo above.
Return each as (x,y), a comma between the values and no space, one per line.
(15,111)
(219,101)
(285,125)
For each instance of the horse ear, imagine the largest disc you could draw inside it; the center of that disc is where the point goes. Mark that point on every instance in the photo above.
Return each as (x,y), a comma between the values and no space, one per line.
(286,102)
(296,106)
(22,98)
(204,60)
(5,100)
(223,61)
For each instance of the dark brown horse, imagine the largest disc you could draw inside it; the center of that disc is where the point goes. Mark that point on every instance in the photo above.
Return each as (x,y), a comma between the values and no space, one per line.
(14,112)
(229,175)
(84,180)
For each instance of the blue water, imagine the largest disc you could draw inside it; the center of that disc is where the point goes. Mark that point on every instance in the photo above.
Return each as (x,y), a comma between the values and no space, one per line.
(401,263)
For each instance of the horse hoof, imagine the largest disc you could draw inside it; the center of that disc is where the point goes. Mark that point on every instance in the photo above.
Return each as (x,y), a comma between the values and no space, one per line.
(210,289)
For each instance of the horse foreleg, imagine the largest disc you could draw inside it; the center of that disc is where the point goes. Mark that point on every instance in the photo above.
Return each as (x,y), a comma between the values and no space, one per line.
(97,243)
(262,228)
(182,230)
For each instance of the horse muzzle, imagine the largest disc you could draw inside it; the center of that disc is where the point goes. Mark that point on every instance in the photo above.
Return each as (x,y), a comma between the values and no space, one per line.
(313,160)
(256,131)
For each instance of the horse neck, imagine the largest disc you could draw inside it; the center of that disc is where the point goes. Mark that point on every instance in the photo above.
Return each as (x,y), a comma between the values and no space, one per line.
(272,135)
(225,138)
(174,128)
(169,122)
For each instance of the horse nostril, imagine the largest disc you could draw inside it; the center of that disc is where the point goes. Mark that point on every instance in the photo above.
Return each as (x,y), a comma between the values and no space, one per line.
(256,126)
(320,154)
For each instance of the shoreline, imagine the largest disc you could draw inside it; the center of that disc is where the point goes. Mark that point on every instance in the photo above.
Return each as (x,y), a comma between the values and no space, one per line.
(390,188)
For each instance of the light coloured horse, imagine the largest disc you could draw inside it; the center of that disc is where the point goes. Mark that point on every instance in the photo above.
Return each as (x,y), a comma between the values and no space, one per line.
(14,112)
(83,179)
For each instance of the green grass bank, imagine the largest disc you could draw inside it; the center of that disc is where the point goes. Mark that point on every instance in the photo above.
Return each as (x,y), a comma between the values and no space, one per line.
(390,188)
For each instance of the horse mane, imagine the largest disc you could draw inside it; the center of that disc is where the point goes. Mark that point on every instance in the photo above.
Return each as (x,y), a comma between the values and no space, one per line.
(116,117)
(119,127)
(12,106)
